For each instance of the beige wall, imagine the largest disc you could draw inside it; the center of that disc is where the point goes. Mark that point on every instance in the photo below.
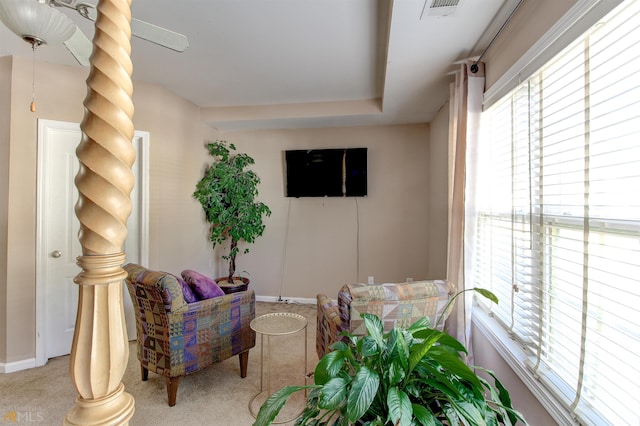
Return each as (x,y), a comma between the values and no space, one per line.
(395,220)
(522,398)
(312,245)
(177,139)
(61,100)
(438,192)
(176,135)
(530,22)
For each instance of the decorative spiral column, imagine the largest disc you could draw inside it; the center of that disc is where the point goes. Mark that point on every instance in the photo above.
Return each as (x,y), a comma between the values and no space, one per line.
(100,349)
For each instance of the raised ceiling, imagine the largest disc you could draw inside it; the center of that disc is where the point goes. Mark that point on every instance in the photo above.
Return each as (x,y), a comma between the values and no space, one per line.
(259,64)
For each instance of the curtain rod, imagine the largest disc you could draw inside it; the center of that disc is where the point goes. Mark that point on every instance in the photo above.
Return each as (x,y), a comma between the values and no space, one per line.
(474,66)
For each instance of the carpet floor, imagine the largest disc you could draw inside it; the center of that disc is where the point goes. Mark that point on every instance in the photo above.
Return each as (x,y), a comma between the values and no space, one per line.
(214,396)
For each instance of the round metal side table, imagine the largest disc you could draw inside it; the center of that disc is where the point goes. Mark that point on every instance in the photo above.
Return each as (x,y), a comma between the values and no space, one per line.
(276,324)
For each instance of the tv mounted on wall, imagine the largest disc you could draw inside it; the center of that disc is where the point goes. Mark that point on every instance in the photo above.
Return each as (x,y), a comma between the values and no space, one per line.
(326,172)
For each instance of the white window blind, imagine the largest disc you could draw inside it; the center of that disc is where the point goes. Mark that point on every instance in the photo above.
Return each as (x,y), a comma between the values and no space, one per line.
(558,220)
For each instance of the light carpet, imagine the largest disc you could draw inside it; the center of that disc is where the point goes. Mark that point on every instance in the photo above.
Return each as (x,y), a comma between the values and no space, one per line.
(214,396)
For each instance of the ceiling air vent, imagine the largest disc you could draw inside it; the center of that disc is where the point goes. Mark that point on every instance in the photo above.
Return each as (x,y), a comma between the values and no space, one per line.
(439,8)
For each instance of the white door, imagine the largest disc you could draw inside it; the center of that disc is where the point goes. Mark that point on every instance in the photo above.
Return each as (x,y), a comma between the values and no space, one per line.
(58,248)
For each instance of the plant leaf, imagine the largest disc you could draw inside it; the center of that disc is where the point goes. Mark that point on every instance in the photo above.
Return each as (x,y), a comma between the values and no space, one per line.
(455,366)
(447,340)
(505,399)
(396,371)
(374,327)
(427,333)
(420,324)
(486,293)
(470,412)
(363,390)
(368,346)
(333,394)
(424,416)
(452,415)
(397,347)
(420,350)
(338,346)
(400,410)
(328,367)
(491,418)
(503,394)
(272,406)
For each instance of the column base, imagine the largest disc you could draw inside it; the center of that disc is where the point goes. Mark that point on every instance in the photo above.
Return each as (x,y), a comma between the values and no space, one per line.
(114,409)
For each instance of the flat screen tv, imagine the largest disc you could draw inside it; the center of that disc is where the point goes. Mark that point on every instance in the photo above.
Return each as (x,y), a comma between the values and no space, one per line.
(326,172)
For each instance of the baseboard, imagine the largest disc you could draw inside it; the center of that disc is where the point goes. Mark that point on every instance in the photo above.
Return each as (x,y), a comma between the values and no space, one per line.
(276,299)
(12,367)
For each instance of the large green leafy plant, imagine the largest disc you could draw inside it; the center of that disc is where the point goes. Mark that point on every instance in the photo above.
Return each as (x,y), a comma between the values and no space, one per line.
(227,193)
(408,376)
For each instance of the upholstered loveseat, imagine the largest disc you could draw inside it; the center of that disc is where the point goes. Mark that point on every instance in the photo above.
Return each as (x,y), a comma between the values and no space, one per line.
(398,304)
(176,338)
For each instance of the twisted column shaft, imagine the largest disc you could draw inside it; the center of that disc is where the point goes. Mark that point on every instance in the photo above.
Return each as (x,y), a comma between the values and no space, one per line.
(100,348)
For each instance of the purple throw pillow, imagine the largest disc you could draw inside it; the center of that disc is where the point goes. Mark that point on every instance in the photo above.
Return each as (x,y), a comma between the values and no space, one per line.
(203,287)
(187,293)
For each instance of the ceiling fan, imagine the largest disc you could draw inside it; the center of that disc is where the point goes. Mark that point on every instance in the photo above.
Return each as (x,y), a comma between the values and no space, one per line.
(40,22)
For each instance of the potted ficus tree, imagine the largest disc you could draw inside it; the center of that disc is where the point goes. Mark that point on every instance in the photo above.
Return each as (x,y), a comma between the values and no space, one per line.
(227,193)
(408,376)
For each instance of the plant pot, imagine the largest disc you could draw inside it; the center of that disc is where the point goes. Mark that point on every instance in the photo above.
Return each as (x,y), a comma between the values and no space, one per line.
(238,284)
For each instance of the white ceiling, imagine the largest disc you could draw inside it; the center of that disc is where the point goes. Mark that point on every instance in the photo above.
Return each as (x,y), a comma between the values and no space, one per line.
(315,63)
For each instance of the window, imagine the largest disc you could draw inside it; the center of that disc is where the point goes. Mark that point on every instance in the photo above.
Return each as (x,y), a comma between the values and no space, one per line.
(557,220)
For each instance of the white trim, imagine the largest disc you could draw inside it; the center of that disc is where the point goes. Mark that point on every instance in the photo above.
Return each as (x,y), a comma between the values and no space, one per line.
(582,16)
(12,367)
(289,300)
(515,356)
(143,159)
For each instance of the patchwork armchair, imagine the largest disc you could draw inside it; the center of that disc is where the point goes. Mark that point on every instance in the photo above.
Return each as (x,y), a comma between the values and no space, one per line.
(398,304)
(176,338)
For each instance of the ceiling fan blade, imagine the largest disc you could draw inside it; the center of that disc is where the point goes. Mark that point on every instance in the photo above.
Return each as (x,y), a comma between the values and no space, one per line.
(80,47)
(159,35)
(144,30)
